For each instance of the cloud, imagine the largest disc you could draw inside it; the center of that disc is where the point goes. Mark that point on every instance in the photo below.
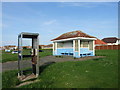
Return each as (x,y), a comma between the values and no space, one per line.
(84,4)
(49,22)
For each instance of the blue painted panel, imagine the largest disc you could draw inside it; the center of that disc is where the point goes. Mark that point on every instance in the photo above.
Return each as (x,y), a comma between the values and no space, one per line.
(64,50)
(54,53)
(69,51)
(76,54)
(86,50)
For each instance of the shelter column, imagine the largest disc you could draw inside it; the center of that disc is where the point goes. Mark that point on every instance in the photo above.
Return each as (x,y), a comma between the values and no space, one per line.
(53,48)
(79,48)
(76,45)
(73,47)
(56,48)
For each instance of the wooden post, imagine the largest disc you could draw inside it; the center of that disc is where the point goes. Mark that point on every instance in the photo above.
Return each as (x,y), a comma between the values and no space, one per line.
(112,47)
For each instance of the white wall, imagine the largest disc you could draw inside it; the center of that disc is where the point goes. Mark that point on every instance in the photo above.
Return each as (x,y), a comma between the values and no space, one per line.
(118,42)
(67,44)
(111,43)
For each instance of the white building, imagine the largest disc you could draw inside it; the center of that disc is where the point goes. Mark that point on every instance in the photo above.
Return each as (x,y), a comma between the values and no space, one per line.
(75,43)
(111,40)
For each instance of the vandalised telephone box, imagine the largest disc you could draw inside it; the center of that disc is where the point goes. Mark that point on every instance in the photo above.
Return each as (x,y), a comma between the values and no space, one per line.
(34,53)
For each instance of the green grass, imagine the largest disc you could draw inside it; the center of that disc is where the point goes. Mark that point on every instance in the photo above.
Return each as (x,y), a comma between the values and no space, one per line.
(0,80)
(8,56)
(97,73)
(9,79)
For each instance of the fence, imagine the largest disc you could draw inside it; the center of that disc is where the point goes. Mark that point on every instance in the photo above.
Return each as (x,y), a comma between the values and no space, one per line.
(112,47)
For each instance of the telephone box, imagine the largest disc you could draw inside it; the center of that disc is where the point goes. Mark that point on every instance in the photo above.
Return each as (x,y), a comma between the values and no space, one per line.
(34,52)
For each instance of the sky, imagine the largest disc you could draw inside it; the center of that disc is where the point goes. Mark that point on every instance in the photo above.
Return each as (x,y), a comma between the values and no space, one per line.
(51,19)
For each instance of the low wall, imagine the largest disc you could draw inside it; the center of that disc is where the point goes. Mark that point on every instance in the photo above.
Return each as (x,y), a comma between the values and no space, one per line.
(108,47)
(69,51)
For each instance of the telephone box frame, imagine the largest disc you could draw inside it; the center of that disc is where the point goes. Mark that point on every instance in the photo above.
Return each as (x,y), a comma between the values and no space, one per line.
(35,45)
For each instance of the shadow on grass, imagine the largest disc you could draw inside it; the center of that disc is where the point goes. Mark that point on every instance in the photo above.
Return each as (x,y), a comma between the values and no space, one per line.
(97,59)
(41,68)
(45,65)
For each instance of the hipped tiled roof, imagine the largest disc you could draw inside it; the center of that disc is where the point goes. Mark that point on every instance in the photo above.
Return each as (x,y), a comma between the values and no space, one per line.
(100,42)
(72,35)
(110,39)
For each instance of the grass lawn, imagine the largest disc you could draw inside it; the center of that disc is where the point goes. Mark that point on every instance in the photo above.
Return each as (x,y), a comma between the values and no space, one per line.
(97,73)
(8,56)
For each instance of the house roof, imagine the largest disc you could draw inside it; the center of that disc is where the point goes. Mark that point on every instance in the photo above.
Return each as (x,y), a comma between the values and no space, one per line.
(10,46)
(41,45)
(98,41)
(110,39)
(72,35)
(49,45)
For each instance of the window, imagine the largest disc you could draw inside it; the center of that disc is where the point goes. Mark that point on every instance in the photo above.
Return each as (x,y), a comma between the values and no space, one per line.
(84,44)
(76,45)
(90,45)
(60,45)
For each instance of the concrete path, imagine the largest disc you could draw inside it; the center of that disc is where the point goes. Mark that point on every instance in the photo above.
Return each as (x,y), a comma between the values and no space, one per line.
(12,65)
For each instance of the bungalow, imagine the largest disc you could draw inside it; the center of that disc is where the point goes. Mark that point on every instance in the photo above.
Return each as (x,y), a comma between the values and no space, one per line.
(49,46)
(41,46)
(10,47)
(111,40)
(27,47)
(75,43)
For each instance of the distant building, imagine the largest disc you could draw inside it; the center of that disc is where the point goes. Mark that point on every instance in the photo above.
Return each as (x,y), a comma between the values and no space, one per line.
(111,40)
(99,42)
(41,46)
(26,47)
(10,47)
(1,48)
(49,46)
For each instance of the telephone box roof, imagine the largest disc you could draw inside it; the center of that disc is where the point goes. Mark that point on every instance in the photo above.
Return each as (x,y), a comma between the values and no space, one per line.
(28,35)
